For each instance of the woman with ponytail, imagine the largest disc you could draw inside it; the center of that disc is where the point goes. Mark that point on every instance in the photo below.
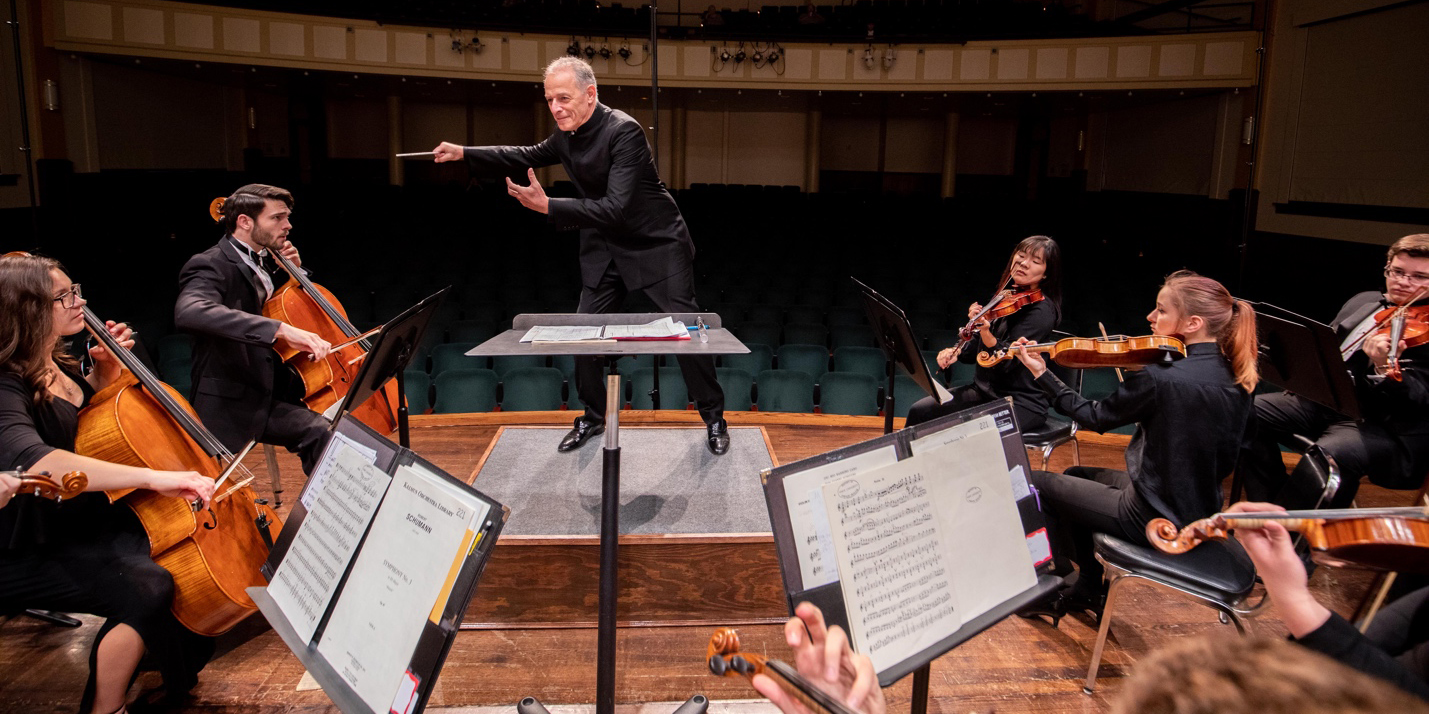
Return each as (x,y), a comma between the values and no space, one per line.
(1191,414)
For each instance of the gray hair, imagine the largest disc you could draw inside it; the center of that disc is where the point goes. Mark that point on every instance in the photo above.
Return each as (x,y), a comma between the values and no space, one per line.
(585,76)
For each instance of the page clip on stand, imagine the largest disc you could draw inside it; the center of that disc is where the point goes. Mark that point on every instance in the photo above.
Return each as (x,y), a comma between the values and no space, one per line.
(609,562)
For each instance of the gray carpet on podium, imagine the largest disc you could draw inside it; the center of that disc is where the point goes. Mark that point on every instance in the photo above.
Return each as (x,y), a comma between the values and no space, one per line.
(669,482)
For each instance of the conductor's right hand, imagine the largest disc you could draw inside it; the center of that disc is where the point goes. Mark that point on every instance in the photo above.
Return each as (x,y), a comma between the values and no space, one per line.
(302,341)
(447,151)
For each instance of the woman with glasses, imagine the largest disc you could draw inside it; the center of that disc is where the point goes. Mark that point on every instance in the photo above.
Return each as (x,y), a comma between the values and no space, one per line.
(1390,443)
(1035,265)
(82,555)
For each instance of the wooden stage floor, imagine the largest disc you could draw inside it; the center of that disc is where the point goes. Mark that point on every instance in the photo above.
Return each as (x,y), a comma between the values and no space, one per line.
(1017,666)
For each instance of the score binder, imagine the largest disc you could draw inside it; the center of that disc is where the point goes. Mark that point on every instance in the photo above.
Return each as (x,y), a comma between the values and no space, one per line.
(373,570)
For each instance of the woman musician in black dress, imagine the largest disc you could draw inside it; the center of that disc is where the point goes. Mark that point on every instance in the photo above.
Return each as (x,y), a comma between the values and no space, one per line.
(84,554)
(1035,265)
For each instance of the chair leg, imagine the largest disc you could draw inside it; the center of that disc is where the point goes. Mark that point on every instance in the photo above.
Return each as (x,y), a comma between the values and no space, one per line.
(1105,627)
(270,455)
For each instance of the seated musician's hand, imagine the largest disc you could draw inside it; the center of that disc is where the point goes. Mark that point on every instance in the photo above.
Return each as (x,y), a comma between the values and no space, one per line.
(8,486)
(188,485)
(1376,347)
(103,360)
(291,253)
(973,310)
(1271,549)
(447,151)
(1031,360)
(302,341)
(822,656)
(532,196)
(947,357)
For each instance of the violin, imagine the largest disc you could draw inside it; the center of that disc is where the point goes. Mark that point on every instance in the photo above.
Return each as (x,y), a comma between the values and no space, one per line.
(725,660)
(304,304)
(1004,303)
(1092,352)
(1409,325)
(138,420)
(42,485)
(1392,539)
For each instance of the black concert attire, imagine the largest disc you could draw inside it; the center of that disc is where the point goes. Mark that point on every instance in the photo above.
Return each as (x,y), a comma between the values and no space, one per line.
(1395,647)
(632,235)
(1191,416)
(1004,379)
(83,555)
(1390,444)
(241,392)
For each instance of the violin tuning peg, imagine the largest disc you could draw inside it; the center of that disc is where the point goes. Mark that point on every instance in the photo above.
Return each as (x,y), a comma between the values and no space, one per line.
(739,664)
(718,666)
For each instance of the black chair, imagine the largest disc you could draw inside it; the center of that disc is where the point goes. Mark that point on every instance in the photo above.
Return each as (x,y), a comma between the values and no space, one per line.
(1057,430)
(1218,574)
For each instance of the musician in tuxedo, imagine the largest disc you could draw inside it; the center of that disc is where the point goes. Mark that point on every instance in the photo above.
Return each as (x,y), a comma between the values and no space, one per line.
(1390,444)
(241,391)
(632,234)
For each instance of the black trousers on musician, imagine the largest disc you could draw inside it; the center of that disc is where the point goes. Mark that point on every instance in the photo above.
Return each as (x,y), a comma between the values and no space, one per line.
(673,294)
(1085,501)
(298,429)
(110,575)
(1363,449)
(965,397)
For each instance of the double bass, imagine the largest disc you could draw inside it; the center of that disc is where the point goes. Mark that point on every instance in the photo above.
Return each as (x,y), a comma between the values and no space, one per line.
(304,304)
(214,555)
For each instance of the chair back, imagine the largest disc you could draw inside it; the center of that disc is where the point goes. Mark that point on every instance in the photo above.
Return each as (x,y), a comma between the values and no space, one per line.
(465,390)
(849,393)
(785,390)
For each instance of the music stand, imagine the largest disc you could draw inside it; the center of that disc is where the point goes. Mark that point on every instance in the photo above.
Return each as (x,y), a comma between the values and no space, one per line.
(895,337)
(389,357)
(1302,356)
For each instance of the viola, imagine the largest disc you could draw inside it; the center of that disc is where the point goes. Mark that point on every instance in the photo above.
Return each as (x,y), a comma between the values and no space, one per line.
(725,660)
(43,486)
(214,557)
(1392,539)
(1004,303)
(1092,352)
(304,304)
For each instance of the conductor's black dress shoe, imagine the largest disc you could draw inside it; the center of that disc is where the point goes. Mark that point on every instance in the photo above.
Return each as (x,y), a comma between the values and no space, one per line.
(582,433)
(718,440)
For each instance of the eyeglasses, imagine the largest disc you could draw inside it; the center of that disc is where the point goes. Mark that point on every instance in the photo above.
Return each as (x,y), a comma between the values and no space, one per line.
(69,299)
(1397,274)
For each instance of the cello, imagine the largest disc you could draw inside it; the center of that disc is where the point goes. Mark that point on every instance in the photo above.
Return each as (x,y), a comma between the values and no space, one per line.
(214,556)
(42,485)
(304,304)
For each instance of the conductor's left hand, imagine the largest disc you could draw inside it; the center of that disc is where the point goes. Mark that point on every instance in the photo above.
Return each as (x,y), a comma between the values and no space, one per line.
(533,196)
(447,151)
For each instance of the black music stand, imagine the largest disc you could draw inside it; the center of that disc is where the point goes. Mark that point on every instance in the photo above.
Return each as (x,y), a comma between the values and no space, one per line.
(720,341)
(389,357)
(895,337)
(1302,356)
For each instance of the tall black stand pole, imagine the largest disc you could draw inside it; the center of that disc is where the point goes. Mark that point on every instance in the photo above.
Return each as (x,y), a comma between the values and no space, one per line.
(654,88)
(1248,208)
(609,550)
(24,108)
(404,433)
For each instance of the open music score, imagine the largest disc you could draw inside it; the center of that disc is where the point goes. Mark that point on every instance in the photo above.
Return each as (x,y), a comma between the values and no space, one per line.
(914,541)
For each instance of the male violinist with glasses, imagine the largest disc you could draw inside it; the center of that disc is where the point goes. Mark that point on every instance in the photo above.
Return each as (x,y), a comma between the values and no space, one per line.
(1391,443)
(240,391)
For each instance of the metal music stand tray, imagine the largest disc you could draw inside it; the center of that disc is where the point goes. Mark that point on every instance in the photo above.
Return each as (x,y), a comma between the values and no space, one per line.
(508,343)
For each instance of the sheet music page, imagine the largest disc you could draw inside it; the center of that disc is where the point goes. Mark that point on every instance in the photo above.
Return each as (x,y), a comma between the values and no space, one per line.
(897,581)
(655,329)
(324,467)
(340,507)
(809,519)
(987,549)
(416,536)
(561,333)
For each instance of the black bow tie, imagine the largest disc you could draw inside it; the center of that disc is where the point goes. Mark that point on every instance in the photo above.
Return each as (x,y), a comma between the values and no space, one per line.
(264,261)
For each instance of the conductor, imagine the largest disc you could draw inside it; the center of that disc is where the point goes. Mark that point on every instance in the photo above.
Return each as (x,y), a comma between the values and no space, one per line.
(632,234)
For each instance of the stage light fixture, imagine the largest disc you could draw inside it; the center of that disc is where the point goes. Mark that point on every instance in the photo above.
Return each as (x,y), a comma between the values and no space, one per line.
(590,52)
(624,52)
(604,52)
(739,56)
(574,49)
(868,60)
(772,55)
